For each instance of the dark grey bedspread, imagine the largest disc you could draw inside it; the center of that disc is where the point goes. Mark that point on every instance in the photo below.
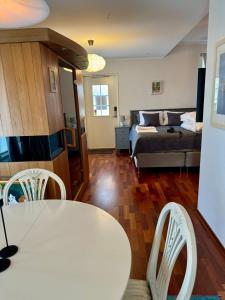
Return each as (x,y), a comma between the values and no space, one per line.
(162,141)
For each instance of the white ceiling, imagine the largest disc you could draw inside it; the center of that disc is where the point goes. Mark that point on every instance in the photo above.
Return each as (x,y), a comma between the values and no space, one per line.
(199,34)
(126,28)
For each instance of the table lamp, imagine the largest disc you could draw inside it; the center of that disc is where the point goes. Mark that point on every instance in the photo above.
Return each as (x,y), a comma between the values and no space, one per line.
(122,120)
(9,250)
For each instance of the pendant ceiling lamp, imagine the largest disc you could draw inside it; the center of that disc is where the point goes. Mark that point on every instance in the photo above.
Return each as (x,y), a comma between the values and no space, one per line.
(95,62)
(22,13)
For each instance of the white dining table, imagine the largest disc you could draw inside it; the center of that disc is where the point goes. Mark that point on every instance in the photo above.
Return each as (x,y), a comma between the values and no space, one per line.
(67,250)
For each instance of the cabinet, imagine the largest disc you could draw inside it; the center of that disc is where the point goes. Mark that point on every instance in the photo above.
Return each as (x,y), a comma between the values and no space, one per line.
(122,138)
(31,103)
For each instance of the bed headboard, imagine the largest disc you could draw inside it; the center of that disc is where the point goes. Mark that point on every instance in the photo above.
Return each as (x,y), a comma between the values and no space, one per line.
(133,113)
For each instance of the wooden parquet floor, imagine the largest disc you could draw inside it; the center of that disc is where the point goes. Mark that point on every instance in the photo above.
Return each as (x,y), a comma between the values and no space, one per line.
(136,204)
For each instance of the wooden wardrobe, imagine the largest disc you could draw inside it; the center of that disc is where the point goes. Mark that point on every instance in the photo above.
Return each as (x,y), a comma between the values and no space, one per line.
(32,123)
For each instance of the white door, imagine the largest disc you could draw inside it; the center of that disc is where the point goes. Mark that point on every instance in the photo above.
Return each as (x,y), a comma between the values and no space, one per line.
(101,100)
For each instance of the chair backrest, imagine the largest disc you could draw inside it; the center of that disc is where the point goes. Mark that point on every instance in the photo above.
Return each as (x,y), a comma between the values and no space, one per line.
(33,183)
(180,232)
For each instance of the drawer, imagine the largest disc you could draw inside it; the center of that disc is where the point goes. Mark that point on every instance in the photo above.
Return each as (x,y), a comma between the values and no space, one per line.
(122,130)
(122,139)
(122,136)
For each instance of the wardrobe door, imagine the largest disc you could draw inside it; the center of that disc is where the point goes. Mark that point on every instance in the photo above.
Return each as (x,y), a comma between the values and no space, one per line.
(81,117)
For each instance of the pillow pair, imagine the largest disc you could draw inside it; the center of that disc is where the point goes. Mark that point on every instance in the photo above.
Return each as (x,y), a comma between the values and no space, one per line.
(150,118)
(157,118)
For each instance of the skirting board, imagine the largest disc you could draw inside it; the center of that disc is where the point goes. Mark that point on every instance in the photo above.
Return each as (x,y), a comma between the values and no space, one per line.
(209,229)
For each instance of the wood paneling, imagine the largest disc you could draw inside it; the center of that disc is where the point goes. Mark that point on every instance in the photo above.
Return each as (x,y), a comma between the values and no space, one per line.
(53,99)
(84,157)
(5,117)
(22,106)
(22,92)
(85,167)
(35,86)
(80,110)
(137,202)
(4,170)
(10,169)
(14,104)
(40,98)
(66,48)
(59,166)
(27,105)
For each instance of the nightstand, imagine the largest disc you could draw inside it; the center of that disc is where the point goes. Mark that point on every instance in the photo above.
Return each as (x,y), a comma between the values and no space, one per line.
(122,138)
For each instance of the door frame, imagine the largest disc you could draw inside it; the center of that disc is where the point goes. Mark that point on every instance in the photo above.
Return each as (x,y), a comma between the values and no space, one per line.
(103,76)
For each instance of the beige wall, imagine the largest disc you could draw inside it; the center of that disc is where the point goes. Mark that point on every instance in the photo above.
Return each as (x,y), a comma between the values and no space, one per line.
(178,71)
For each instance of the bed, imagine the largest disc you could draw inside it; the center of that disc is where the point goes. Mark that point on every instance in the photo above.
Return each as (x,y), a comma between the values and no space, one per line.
(163,149)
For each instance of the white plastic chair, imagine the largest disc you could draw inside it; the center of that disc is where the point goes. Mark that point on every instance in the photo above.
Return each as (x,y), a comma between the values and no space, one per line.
(180,232)
(33,183)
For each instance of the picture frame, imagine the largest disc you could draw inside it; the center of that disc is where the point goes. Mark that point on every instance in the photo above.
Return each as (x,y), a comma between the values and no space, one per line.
(157,87)
(218,94)
(52,79)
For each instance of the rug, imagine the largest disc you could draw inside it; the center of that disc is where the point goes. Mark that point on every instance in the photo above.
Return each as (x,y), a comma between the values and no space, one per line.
(197,298)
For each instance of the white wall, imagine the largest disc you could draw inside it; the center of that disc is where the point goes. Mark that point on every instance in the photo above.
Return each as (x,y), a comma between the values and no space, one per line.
(178,71)
(212,175)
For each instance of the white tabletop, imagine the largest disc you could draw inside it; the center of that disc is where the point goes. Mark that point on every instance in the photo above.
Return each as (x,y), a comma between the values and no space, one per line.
(67,250)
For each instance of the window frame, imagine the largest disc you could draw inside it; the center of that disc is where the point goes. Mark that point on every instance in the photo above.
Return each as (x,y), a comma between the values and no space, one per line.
(101,104)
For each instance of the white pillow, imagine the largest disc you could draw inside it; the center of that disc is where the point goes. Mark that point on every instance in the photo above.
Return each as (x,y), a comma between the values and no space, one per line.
(199,126)
(195,127)
(142,121)
(189,116)
(166,115)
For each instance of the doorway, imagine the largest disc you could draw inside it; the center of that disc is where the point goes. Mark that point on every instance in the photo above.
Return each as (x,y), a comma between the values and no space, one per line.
(72,128)
(101,100)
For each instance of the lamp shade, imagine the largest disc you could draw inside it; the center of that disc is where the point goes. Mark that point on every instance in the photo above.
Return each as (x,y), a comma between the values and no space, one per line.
(122,118)
(95,63)
(22,13)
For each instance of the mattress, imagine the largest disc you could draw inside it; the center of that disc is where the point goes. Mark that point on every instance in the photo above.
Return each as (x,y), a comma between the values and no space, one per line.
(163,141)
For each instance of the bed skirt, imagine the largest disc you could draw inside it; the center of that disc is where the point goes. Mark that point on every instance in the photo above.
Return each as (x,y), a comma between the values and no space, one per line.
(167,159)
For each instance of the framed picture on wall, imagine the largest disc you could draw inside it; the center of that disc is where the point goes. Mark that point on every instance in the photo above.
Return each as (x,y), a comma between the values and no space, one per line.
(218,97)
(156,87)
(52,80)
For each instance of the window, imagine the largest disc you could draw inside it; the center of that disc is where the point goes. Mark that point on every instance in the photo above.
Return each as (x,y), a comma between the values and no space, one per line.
(100,100)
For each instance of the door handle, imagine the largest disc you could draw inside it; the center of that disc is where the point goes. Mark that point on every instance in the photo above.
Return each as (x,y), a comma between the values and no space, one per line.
(115,112)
